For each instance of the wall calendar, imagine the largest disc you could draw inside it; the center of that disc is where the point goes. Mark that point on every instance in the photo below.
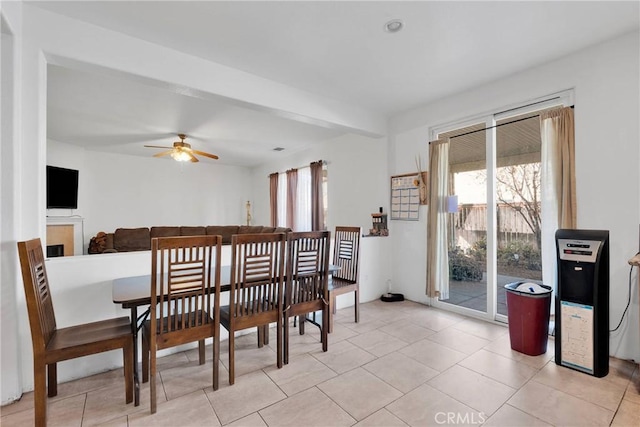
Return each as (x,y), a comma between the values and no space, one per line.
(405,197)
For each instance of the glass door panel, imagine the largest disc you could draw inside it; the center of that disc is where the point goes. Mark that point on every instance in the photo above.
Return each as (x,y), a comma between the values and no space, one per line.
(467,226)
(518,151)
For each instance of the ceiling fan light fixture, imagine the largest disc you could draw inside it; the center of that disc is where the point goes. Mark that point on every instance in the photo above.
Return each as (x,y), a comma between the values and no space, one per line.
(180,156)
(181,151)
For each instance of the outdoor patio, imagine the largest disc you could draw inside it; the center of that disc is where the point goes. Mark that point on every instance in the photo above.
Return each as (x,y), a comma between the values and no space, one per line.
(473,295)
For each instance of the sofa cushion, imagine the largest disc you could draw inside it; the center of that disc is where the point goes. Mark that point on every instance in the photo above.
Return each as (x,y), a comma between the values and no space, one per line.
(193,231)
(131,239)
(226,231)
(164,231)
(282,230)
(109,242)
(266,229)
(250,229)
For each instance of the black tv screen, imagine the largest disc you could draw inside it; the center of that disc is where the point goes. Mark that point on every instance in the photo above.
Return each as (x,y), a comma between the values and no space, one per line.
(62,188)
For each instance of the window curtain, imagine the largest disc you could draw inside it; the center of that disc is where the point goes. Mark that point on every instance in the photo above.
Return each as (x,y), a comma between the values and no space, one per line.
(317,202)
(282,200)
(437,254)
(303,201)
(292,193)
(273,198)
(558,183)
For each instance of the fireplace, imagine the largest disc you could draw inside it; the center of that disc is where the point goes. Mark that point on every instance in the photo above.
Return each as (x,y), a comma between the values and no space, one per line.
(65,231)
(55,251)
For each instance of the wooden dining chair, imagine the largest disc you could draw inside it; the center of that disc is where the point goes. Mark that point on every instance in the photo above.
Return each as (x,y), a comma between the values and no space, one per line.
(346,254)
(306,289)
(257,283)
(52,345)
(185,300)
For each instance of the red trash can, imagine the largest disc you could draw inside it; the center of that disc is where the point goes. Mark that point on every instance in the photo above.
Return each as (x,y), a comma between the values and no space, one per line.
(528,309)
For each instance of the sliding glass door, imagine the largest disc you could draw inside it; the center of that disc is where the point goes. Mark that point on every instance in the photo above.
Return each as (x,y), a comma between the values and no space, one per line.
(494,209)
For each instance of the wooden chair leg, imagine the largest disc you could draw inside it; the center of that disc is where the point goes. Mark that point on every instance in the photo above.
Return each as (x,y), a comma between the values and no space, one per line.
(39,392)
(301,320)
(266,334)
(279,343)
(216,361)
(357,305)
(232,362)
(201,354)
(260,332)
(152,377)
(52,379)
(145,356)
(128,371)
(325,329)
(285,340)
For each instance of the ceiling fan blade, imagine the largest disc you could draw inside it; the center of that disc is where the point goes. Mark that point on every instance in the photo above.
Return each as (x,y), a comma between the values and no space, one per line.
(193,158)
(202,153)
(163,153)
(157,146)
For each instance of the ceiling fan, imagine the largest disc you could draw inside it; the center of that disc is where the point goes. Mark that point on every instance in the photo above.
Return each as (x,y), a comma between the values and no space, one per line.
(181,151)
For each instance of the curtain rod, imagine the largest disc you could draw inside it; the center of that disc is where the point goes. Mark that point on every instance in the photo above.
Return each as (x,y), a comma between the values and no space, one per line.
(501,124)
(324,163)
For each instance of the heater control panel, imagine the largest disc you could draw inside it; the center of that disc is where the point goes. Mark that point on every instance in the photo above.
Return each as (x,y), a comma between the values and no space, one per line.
(578,250)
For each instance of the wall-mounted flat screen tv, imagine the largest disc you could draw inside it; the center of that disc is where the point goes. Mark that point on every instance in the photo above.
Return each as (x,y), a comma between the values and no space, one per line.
(62,188)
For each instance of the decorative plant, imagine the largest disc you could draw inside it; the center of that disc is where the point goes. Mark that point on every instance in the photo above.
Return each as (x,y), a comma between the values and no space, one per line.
(463,267)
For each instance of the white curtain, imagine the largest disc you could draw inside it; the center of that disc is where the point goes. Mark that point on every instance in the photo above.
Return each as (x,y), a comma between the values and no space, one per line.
(437,255)
(282,200)
(557,182)
(303,208)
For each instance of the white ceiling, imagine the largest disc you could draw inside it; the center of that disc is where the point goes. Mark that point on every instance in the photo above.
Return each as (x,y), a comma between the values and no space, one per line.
(335,49)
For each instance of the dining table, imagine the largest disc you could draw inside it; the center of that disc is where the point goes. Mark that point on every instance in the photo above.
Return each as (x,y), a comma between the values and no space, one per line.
(135,291)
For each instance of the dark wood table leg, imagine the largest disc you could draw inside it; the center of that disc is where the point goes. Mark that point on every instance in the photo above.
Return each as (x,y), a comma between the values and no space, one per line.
(136,377)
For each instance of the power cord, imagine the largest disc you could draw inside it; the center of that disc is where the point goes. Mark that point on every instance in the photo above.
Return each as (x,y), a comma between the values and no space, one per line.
(624,313)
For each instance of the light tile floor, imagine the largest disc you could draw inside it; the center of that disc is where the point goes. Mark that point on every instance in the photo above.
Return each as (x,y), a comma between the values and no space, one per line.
(403,364)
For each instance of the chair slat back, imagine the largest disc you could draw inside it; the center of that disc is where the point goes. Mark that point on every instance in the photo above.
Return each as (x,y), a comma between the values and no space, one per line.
(42,318)
(257,273)
(307,266)
(346,253)
(182,287)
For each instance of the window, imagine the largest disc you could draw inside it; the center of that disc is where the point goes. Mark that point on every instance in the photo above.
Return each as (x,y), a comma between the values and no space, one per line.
(302,209)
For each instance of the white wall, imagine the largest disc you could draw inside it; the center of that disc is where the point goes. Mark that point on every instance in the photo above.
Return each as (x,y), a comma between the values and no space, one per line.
(607,88)
(10,380)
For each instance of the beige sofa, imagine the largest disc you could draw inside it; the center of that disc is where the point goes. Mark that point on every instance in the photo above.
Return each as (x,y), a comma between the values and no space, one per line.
(139,239)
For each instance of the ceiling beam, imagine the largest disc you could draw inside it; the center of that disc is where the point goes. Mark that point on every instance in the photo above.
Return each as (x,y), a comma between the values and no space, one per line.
(72,43)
